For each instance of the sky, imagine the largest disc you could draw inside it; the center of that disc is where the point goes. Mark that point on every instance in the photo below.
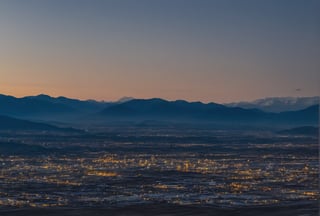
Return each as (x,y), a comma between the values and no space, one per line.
(197,50)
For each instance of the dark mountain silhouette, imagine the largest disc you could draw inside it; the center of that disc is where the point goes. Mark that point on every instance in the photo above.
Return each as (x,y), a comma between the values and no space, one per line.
(75,104)
(305,130)
(13,124)
(307,115)
(46,106)
(26,106)
(159,109)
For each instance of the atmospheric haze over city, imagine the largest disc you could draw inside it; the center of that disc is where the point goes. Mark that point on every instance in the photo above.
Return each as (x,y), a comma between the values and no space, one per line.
(159,107)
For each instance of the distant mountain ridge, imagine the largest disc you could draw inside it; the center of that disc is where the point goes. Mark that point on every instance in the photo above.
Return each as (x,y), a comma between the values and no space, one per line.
(278,104)
(159,109)
(44,105)
(62,109)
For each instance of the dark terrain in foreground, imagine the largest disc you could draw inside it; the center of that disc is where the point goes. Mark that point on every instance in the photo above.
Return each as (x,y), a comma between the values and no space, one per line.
(165,210)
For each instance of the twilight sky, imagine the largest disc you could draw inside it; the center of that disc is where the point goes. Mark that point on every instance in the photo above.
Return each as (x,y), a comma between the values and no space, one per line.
(207,50)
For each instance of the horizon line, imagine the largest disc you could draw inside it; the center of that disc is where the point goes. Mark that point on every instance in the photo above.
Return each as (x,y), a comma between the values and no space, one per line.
(149,98)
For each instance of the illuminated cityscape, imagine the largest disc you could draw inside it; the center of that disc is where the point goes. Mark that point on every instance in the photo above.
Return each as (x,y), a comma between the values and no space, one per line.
(125,173)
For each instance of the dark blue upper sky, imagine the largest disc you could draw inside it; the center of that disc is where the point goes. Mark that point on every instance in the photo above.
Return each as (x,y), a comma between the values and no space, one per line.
(207,50)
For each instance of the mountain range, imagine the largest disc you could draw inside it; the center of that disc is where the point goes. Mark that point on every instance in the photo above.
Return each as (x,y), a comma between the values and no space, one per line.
(47,107)
(61,109)
(278,104)
(197,112)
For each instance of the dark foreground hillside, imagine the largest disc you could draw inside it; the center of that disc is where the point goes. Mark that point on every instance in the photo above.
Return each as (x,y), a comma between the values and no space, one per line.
(165,210)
